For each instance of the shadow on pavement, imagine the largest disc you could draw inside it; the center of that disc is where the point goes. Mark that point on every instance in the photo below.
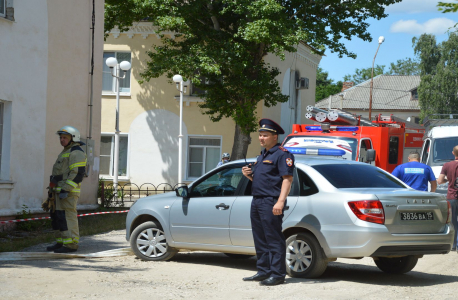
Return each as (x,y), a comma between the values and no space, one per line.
(215,259)
(372,275)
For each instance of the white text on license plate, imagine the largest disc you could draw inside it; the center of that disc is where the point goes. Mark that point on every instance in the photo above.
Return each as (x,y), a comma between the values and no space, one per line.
(417,216)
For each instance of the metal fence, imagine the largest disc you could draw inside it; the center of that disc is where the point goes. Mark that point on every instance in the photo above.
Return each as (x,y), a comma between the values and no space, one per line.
(131,192)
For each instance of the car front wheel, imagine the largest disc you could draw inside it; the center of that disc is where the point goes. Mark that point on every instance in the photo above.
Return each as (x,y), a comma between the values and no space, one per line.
(149,243)
(304,256)
(396,265)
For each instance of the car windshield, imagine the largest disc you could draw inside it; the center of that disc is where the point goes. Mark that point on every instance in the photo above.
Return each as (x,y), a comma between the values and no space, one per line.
(353,143)
(357,176)
(442,149)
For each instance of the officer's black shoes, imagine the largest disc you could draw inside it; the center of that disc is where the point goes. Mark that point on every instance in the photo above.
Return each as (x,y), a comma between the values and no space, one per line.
(64,250)
(273,281)
(257,277)
(54,247)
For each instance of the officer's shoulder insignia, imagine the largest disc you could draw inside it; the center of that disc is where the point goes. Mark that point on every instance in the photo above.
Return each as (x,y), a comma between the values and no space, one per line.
(283,149)
(289,162)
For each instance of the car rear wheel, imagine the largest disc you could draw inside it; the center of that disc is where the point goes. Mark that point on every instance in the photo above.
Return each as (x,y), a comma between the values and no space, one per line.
(304,256)
(149,243)
(238,256)
(396,265)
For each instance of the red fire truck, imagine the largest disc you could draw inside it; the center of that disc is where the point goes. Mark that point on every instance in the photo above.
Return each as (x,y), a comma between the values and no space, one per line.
(342,134)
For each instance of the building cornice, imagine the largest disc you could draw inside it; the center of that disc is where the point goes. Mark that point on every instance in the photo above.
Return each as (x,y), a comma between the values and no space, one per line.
(305,54)
(143,28)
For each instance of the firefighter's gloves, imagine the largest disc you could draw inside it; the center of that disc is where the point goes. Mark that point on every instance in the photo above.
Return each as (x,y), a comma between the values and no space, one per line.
(45,205)
(63,194)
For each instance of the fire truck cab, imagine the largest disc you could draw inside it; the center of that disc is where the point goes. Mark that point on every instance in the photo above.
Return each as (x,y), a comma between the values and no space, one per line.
(386,136)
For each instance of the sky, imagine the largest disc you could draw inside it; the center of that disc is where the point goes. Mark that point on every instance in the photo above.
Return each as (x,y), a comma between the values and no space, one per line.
(405,20)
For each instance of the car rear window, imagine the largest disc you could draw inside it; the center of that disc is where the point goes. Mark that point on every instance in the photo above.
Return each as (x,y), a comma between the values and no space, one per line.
(357,176)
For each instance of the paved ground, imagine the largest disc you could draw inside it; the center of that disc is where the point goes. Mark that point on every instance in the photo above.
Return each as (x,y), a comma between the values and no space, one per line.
(204,275)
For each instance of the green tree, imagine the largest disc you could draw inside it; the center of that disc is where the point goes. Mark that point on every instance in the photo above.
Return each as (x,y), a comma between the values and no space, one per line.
(364,74)
(407,66)
(446,7)
(325,86)
(438,88)
(226,41)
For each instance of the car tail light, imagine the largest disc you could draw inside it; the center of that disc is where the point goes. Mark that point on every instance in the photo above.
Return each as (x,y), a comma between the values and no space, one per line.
(368,210)
(449,215)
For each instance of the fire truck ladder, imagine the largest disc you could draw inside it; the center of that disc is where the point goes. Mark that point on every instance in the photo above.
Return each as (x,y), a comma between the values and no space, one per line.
(336,117)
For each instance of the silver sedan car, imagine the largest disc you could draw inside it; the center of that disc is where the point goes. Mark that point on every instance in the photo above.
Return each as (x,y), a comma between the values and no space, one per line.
(336,209)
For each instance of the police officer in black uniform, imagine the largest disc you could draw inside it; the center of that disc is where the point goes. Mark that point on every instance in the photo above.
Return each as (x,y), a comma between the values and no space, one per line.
(272,175)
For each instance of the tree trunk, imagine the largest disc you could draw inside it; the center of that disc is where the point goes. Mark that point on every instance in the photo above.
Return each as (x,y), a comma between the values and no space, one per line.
(241,142)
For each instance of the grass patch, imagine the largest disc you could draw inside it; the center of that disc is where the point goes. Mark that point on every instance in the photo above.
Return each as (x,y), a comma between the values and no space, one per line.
(41,232)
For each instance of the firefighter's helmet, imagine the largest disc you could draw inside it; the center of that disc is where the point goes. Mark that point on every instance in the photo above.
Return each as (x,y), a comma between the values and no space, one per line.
(226,155)
(71,131)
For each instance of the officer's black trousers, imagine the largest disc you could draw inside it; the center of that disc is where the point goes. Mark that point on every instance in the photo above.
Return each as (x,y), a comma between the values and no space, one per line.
(269,240)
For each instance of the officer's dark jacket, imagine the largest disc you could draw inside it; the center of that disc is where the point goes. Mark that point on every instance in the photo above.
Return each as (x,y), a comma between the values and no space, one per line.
(268,170)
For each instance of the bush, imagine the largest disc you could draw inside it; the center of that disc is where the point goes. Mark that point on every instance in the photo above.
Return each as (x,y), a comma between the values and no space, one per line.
(30,225)
(106,195)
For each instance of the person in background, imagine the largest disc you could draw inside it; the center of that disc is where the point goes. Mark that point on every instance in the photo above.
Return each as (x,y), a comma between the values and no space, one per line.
(67,174)
(415,174)
(449,173)
(226,157)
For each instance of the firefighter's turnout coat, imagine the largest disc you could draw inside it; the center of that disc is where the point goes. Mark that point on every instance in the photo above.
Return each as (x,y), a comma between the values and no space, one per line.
(67,173)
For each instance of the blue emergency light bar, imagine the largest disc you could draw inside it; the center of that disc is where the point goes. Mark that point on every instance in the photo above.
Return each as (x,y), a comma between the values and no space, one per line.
(338,128)
(329,152)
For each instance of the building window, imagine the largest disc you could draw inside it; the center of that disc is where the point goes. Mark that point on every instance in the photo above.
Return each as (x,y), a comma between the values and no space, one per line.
(2,8)
(107,154)
(414,94)
(195,91)
(203,155)
(108,81)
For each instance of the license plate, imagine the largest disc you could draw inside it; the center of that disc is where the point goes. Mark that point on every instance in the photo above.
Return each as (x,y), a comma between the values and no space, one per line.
(417,216)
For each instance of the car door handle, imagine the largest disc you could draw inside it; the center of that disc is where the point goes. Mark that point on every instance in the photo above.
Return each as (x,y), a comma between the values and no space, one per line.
(286,207)
(222,206)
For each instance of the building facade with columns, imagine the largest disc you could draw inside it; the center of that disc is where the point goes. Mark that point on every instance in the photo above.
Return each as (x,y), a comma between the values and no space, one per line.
(149,114)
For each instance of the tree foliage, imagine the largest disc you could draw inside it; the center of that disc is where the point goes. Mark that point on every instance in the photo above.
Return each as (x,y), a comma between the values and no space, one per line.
(226,41)
(438,70)
(325,86)
(364,74)
(446,7)
(407,66)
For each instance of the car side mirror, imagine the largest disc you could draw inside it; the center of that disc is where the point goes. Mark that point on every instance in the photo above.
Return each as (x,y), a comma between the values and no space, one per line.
(182,191)
(370,155)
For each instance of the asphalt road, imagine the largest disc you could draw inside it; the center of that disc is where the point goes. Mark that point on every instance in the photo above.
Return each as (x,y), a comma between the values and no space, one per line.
(205,275)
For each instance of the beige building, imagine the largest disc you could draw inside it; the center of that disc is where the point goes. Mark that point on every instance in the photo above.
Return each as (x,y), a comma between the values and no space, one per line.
(149,114)
(45,50)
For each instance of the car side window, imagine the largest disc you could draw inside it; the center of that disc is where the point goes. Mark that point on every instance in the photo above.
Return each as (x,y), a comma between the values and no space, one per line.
(424,158)
(366,144)
(295,186)
(306,186)
(222,183)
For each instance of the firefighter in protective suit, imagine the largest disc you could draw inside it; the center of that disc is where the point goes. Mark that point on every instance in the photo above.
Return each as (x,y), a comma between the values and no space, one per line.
(67,174)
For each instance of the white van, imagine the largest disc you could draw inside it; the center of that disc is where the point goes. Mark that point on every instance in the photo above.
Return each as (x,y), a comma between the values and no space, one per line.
(440,137)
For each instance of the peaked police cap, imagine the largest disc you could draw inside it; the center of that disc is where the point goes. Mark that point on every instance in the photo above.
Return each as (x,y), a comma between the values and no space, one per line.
(271,126)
